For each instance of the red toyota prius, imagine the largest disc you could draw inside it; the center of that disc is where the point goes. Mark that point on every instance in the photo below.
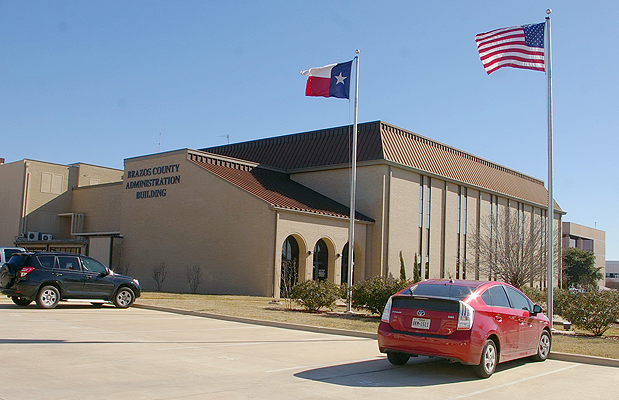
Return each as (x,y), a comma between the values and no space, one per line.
(473,322)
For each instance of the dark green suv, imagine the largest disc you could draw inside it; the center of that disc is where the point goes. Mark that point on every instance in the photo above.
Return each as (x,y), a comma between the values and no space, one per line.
(49,277)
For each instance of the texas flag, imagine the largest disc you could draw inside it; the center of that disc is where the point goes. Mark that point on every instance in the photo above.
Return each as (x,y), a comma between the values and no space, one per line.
(332,80)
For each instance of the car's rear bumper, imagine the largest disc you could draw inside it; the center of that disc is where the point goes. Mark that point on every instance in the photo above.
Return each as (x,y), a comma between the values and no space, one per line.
(21,290)
(458,346)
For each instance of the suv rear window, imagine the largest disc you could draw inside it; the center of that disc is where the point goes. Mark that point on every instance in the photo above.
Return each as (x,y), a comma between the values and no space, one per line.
(19,261)
(447,291)
(9,252)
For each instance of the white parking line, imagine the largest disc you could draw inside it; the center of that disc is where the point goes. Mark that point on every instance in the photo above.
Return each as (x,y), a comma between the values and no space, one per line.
(462,396)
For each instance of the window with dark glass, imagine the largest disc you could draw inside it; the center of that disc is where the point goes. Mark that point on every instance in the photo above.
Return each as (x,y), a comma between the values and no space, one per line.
(496,297)
(69,262)
(93,266)
(518,300)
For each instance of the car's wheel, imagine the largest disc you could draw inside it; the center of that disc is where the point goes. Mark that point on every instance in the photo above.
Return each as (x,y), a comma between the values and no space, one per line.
(543,348)
(48,297)
(124,297)
(397,358)
(20,301)
(489,359)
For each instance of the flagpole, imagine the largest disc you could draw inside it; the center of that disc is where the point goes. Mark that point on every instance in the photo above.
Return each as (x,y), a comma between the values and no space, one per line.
(353,189)
(550,213)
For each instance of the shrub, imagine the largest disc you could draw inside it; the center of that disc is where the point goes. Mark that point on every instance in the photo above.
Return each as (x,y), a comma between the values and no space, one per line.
(314,295)
(560,300)
(373,293)
(538,296)
(593,311)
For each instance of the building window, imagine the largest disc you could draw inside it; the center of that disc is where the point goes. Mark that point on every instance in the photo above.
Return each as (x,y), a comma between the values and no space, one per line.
(51,183)
(421,202)
(429,203)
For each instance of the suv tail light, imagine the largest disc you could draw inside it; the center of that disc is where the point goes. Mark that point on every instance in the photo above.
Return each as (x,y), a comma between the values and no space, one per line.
(25,271)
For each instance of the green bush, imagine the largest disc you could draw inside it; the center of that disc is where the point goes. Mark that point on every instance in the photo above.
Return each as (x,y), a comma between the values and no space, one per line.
(538,296)
(560,300)
(314,295)
(372,294)
(593,311)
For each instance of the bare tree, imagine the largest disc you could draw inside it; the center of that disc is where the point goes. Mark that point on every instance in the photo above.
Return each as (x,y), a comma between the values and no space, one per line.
(511,247)
(289,278)
(194,278)
(160,272)
(122,269)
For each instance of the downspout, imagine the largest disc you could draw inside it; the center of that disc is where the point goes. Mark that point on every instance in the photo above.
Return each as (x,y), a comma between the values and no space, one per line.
(22,221)
(275,271)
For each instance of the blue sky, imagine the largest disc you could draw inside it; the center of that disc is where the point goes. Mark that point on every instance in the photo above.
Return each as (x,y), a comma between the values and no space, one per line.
(97,81)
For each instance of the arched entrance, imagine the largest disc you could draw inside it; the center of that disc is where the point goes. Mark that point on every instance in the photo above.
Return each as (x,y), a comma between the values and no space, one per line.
(290,266)
(321,261)
(344,279)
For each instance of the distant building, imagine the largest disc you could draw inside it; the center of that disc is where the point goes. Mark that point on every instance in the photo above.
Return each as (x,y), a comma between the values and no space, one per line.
(612,274)
(252,214)
(586,238)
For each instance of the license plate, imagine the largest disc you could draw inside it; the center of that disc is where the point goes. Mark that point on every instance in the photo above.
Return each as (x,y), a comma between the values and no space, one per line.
(421,323)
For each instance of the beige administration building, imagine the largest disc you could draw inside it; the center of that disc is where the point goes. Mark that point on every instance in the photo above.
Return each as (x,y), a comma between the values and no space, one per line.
(241,211)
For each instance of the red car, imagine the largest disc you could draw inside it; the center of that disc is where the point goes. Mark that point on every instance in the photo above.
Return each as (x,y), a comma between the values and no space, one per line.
(472,322)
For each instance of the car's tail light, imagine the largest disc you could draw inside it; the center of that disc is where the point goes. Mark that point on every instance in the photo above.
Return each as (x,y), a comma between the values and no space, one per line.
(25,271)
(386,311)
(465,316)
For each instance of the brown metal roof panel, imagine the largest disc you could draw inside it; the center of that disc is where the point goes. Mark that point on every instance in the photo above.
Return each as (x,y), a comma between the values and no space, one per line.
(279,190)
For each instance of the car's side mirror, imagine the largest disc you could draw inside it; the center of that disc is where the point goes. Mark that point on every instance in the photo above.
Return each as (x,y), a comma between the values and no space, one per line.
(536,310)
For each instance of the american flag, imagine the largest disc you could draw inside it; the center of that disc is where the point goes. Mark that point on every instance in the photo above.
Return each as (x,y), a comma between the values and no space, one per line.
(518,47)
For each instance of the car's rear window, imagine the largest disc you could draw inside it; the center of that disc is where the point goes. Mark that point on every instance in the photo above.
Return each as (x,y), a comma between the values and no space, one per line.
(447,290)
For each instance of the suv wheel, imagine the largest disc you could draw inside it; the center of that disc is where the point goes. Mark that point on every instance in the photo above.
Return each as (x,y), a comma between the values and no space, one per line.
(124,297)
(48,297)
(20,301)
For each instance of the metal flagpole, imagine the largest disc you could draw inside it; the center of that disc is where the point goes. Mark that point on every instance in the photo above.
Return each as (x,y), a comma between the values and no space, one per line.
(550,212)
(353,189)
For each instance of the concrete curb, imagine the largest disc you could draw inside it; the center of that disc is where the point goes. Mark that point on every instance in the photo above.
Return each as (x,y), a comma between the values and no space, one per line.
(275,324)
(575,358)
(582,359)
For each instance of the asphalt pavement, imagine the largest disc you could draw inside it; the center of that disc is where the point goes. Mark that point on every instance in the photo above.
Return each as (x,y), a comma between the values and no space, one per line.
(79,352)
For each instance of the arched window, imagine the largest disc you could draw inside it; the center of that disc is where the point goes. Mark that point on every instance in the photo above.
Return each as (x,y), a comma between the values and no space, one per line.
(321,260)
(344,279)
(290,266)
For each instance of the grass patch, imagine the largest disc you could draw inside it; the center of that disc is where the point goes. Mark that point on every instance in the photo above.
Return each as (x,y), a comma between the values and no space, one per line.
(261,308)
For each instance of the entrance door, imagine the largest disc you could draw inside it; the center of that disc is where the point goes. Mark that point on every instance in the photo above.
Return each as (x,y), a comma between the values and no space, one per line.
(321,260)
(290,266)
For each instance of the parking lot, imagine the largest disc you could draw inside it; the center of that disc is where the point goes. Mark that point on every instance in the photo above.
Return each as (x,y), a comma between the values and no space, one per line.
(78,352)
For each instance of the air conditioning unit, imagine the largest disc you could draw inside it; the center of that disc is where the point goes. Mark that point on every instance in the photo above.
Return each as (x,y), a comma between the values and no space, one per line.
(33,236)
(46,236)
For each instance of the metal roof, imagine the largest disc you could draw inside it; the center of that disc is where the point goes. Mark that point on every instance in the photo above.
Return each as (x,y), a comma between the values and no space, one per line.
(274,187)
(379,141)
